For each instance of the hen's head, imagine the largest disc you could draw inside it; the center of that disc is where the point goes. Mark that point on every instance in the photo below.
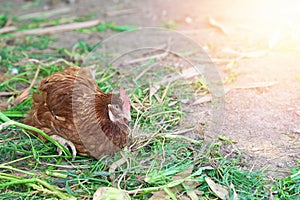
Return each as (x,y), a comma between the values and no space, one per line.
(119,109)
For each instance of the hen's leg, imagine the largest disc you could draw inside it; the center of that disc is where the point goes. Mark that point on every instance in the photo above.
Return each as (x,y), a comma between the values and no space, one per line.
(66,144)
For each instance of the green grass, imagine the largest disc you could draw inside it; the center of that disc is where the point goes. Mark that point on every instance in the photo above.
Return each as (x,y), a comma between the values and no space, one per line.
(31,169)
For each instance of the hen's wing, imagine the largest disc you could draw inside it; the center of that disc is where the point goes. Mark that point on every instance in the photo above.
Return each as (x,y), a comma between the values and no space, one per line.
(52,105)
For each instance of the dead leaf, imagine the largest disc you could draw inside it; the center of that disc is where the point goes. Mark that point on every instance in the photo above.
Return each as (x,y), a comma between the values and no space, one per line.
(251,54)
(4,105)
(219,26)
(183,174)
(189,186)
(159,195)
(6,124)
(114,166)
(190,189)
(110,193)
(235,195)
(296,130)
(204,99)
(219,190)
(271,197)
(23,96)
(25,93)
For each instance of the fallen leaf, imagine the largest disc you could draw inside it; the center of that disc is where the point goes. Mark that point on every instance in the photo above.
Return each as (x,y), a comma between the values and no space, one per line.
(183,174)
(25,93)
(219,26)
(271,197)
(114,166)
(190,191)
(159,195)
(110,193)
(6,124)
(235,195)
(219,190)
(4,105)
(189,186)
(251,54)
(296,130)
(23,96)
(204,99)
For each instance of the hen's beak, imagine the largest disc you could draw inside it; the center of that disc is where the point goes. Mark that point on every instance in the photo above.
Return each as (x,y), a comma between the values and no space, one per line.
(127,117)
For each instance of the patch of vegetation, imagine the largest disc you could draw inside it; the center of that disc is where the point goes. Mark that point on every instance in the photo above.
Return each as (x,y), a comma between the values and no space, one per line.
(173,167)
(108,26)
(3,19)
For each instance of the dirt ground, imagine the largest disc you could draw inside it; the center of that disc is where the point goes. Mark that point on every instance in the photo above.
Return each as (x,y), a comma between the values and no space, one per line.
(264,122)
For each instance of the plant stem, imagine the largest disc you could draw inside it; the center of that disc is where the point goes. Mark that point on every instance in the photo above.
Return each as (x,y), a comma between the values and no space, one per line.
(5,119)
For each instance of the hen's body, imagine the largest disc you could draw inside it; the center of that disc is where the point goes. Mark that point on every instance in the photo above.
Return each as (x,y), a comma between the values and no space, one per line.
(70,104)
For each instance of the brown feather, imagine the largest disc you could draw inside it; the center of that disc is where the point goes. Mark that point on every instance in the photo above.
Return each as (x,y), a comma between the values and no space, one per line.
(70,104)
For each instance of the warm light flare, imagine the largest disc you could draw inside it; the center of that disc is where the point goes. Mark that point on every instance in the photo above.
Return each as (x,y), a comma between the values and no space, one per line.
(277,13)
(277,20)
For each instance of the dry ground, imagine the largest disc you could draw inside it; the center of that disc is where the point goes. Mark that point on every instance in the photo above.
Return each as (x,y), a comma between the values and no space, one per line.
(264,122)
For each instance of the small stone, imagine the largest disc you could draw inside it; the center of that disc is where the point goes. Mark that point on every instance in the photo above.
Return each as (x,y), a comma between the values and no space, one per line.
(188,20)
(296,130)
(14,71)
(281,165)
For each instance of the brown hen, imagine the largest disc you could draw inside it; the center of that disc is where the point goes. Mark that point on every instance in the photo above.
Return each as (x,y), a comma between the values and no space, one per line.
(71,108)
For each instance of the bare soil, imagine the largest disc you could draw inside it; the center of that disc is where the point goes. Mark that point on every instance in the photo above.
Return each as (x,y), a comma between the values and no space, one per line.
(264,122)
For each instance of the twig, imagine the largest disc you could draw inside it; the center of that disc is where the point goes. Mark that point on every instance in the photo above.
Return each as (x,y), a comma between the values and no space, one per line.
(17,160)
(218,25)
(58,28)
(7,29)
(66,166)
(253,85)
(9,139)
(183,131)
(186,74)
(38,62)
(16,169)
(165,93)
(252,54)
(121,12)
(208,97)
(115,165)
(144,71)
(179,137)
(211,60)
(152,189)
(45,14)
(5,124)
(156,56)
(7,93)
(165,48)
